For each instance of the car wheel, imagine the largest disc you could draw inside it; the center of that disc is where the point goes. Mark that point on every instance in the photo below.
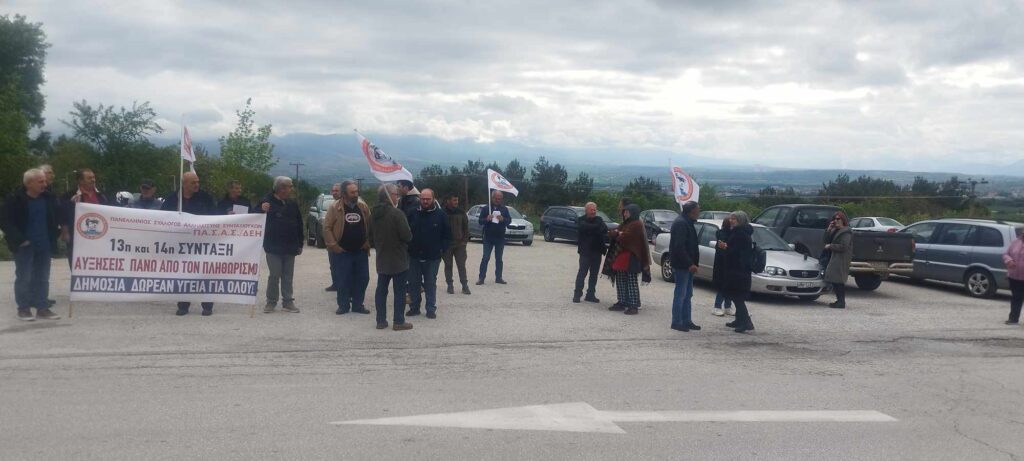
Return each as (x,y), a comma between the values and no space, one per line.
(869,282)
(548,236)
(666,269)
(527,243)
(980,284)
(809,298)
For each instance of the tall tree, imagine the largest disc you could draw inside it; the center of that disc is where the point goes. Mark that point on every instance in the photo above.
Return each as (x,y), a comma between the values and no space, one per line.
(109,131)
(248,146)
(549,183)
(580,188)
(22,57)
(514,171)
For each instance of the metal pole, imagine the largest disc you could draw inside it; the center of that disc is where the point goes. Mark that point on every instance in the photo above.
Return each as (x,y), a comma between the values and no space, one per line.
(297,165)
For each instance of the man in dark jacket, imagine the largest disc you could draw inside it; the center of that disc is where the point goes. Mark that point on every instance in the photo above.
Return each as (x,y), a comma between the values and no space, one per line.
(30,226)
(494,221)
(591,230)
(389,237)
(282,240)
(86,192)
(430,238)
(685,258)
(459,224)
(193,201)
(147,196)
(233,198)
(410,196)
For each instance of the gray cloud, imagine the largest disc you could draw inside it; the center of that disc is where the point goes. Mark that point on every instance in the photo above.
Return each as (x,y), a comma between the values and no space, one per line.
(798,82)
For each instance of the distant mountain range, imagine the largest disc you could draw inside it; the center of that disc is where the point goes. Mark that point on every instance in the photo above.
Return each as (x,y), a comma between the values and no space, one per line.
(328,158)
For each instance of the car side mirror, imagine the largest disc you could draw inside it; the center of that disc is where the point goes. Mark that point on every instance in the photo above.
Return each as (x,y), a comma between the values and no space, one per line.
(525,216)
(792,246)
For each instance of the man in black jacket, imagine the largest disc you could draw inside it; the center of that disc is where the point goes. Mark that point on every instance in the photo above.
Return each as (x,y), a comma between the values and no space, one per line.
(590,231)
(431,236)
(29,222)
(685,258)
(86,192)
(193,201)
(282,240)
(493,222)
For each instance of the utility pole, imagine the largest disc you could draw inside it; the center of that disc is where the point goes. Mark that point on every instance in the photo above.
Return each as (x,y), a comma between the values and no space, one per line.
(972,197)
(297,165)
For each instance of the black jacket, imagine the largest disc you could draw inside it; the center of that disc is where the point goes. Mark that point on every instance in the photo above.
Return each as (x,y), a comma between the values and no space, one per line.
(14,218)
(736,278)
(590,234)
(682,247)
(283,232)
(226,204)
(431,234)
(201,203)
(409,204)
(494,231)
(67,208)
(718,274)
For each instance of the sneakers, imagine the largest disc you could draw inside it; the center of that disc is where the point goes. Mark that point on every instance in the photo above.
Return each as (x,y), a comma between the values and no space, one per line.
(331,288)
(718,312)
(576,299)
(465,289)
(431,315)
(358,310)
(46,314)
(402,326)
(181,311)
(591,299)
(382,325)
(730,311)
(207,312)
(692,326)
(631,311)
(617,308)
(680,328)
(451,289)
(269,308)
(26,315)
(480,282)
(1010,322)
(501,282)
(412,313)
(838,305)
(289,306)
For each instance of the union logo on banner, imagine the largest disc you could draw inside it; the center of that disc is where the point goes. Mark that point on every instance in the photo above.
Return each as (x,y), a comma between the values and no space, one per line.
(91,226)
(382,165)
(683,187)
(498,182)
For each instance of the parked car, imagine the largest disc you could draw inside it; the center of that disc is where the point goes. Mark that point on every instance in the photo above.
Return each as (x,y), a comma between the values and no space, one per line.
(519,230)
(787,272)
(714,215)
(315,220)
(657,222)
(967,251)
(876,224)
(559,222)
(876,255)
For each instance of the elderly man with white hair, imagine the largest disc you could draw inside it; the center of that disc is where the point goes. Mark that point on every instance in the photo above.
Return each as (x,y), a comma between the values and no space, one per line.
(193,201)
(30,224)
(282,240)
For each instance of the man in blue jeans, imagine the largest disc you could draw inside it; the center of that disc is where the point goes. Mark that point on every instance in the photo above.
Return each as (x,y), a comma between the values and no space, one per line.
(29,222)
(494,221)
(684,256)
(431,236)
(346,229)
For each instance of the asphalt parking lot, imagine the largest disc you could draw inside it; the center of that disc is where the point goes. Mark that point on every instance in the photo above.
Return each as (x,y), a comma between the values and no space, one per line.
(122,381)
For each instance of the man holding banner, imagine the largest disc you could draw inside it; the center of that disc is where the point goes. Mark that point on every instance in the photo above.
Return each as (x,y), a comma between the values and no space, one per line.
(193,201)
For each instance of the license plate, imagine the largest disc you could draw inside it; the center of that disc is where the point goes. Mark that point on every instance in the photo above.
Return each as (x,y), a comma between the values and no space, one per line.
(805,285)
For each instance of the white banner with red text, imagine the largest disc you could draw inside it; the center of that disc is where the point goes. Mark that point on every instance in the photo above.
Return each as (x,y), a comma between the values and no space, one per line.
(127,254)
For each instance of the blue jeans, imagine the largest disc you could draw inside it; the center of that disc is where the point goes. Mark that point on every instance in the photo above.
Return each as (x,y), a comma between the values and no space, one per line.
(721,300)
(498,246)
(32,276)
(380,298)
(334,266)
(351,278)
(681,297)
(423,273)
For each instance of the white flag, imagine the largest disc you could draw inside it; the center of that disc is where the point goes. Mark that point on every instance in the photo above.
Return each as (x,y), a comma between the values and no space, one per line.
(186,148)
(382,165)
(683,187)
(496,181)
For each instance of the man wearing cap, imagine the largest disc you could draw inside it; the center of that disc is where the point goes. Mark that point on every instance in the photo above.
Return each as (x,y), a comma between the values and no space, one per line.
(147,196)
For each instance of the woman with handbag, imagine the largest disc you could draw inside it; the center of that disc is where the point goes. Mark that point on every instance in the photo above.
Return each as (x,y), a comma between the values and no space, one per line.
(838,241)
(633,257)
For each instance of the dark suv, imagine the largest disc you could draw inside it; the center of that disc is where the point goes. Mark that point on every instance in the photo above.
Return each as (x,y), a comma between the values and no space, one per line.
(315,220)
(559,222)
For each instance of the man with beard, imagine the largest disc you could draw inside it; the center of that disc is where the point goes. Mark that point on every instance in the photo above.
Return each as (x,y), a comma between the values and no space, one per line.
(346,230)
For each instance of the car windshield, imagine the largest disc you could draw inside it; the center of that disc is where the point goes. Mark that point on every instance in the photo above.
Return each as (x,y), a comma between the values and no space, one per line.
(665,216)
(769,241)
(889,222)
(604,217)
(514,213)
(327,203)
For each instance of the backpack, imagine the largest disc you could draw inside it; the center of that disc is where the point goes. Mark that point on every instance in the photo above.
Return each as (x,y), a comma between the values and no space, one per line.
(758,259)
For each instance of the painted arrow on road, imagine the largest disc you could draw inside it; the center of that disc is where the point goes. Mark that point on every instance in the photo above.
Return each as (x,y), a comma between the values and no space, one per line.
(581,417)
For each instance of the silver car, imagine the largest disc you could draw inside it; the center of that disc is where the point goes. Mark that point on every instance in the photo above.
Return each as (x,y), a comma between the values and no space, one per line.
(519,229)
(965,251)
(875,223)
(787,272)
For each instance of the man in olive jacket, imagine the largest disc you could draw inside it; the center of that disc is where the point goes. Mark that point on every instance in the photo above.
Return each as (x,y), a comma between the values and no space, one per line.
(390,237)
(459,225)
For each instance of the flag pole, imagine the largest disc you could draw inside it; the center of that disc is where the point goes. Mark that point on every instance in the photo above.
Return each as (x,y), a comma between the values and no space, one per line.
(181,169)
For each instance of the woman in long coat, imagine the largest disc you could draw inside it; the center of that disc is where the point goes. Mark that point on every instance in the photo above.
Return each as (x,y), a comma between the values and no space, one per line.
(736,278)
(718,273)
(632,259)
(838,241)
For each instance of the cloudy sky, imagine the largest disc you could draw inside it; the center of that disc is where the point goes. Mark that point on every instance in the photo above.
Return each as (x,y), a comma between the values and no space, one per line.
(852,84)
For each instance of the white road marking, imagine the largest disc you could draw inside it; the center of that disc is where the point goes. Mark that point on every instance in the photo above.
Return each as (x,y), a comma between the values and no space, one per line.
(581,417)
